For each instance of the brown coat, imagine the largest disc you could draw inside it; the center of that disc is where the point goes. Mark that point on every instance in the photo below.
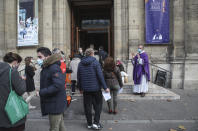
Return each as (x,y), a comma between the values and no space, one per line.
(113,77)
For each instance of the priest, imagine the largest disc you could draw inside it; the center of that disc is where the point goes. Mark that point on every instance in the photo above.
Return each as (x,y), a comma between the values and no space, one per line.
(141,73)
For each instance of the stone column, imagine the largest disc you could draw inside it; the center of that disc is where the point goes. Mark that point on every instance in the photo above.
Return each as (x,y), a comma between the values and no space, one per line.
(61,27)
(2,31)
(121,29)
(67,31)
(136,24)
(46,23)
(191,46)
(11,25)
(177,65)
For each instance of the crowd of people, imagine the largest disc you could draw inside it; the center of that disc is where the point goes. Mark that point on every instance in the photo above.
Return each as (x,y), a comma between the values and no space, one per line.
(90,73)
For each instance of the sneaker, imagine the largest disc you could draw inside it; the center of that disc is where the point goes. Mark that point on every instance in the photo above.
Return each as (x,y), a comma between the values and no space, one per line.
(89,126)
(97,126)
(32,107)
(100,126)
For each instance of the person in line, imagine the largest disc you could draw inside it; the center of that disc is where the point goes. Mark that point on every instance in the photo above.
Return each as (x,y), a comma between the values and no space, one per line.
(52,88)
(29,74)
(90,80)
(63,64)
(102,55)
(114,83)
(80,53)
(141,73)
(11,60)
(74,67)
(122,71)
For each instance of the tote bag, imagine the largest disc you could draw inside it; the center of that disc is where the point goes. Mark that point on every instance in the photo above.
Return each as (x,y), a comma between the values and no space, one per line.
(16,108)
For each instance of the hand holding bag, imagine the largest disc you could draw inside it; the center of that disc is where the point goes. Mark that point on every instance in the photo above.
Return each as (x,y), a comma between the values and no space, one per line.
(16,108)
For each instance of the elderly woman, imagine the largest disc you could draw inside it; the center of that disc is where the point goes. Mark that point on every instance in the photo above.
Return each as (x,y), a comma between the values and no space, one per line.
(11,61)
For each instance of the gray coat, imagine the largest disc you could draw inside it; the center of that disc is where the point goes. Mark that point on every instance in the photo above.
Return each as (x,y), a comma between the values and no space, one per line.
(17,84)
(74,67)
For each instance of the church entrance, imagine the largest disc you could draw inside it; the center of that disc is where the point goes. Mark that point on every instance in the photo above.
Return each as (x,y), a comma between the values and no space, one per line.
(92,25)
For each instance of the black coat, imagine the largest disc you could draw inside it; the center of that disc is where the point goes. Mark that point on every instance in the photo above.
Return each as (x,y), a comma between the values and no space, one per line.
(121,67)
(52,88)
(29,72)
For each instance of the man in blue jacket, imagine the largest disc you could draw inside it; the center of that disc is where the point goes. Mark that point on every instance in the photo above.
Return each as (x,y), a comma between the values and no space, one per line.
(90,80)
(52,88)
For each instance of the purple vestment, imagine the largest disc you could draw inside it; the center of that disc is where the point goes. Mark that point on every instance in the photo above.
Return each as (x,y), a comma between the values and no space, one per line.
(141,69)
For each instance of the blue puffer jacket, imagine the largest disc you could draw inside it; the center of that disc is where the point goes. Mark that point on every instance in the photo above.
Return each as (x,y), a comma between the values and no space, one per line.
(52,87)
(90,76)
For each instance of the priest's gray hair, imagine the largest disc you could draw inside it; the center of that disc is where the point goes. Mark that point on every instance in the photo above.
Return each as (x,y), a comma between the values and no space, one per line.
(141,45)
(89,51)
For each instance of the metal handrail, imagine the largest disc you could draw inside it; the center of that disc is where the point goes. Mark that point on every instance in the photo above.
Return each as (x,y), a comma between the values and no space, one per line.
(152,65)
(160,68)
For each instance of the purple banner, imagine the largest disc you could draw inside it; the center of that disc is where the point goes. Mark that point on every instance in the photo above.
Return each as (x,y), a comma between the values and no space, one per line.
(157,21)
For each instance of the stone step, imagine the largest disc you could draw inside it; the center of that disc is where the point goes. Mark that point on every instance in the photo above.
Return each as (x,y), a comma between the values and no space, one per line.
(151,91)
(155,93)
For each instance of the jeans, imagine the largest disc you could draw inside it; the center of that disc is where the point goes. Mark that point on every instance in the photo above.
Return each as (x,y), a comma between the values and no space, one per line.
(112,103)
(56,122)
(95,99)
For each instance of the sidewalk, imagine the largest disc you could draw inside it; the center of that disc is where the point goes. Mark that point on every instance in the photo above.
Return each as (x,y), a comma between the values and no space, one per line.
(140,115)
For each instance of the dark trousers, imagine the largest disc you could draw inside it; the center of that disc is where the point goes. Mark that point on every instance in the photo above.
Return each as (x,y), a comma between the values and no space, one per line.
(95,99)
(18,128)
(73,85)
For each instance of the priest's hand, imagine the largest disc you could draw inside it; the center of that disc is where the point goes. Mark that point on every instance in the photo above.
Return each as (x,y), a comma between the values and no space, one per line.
(133,55)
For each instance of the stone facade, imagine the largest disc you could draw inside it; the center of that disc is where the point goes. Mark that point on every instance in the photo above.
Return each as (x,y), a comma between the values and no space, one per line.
(180,56)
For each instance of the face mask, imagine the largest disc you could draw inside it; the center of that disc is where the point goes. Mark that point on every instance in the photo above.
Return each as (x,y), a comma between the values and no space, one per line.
(139,50)
(40,62)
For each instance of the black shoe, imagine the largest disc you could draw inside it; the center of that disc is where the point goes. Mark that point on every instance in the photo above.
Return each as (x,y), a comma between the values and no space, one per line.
(143,94)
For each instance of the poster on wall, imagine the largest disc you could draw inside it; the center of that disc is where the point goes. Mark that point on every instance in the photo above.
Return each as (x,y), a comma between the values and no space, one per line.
(27,22)
(157,21)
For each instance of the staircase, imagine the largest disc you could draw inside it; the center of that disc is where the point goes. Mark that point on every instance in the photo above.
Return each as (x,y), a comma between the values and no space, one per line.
(155,93)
